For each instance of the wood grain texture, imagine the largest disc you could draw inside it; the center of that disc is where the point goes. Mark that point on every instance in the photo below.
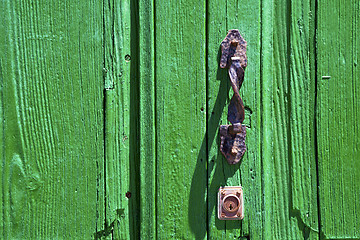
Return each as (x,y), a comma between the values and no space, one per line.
(267,115)
(301,105)
(286,186)
(110,110)
(121,62)
(245,16)
(275,39)
(147,120)
(180,119)
(338,109)
(52,120)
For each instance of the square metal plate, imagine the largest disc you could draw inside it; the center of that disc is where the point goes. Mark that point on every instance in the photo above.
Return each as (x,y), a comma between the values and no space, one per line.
(230,203)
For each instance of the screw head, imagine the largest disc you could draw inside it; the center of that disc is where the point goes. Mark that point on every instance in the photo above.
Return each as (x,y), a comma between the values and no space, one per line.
(234,42)
(234,151)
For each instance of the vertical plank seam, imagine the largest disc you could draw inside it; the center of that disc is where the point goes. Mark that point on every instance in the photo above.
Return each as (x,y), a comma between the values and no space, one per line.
(321,235)
(156,124)
(3,151)
(261,135)
(104,122)
(261,58)
(207,114)
(291,211)
(134,157)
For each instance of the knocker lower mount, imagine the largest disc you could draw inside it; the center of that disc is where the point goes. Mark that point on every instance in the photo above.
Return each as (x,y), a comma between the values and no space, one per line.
(232,136)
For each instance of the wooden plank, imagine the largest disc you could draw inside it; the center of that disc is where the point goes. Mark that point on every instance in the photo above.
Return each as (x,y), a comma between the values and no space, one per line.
(275,46)
(147,120)
(121,119)
(302,153)
(180,119)
(275,120)
(52,102)
(222,16)
(338,118)
(282,166)
(267,116)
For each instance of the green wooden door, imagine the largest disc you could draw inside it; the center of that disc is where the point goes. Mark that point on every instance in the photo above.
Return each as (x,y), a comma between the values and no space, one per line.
(110,113)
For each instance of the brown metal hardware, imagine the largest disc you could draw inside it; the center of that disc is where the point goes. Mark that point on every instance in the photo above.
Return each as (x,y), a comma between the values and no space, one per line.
(230,203)
(233,136)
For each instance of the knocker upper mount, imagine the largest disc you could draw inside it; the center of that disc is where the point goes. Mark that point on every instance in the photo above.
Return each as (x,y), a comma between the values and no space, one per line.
(232,136)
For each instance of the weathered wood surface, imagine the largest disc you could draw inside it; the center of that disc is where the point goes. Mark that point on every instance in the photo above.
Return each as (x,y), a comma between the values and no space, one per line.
(180,93)
(121,125)
(110,113)
(286,57)
(52,174)
(301,92)
(338,109)
(147,118)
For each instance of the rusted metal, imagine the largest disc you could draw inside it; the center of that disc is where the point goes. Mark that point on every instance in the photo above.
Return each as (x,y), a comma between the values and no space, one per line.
(233,56)
(128,194)
(232,144)
(230,203)
(234,45)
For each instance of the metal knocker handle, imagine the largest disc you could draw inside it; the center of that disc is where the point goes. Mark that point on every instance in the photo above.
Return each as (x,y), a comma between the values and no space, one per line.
(232,136)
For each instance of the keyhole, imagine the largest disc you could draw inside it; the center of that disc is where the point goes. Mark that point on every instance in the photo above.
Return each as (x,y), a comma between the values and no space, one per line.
(231,203)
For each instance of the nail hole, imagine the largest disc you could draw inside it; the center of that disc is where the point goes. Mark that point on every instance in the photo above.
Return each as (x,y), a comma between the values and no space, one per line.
(127,58)
(212,113)
(128,194)
(202,109)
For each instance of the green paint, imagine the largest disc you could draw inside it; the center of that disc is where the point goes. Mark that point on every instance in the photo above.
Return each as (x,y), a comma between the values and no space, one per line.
(338,111)
(52,120)
(180,80)
(101,99)
(147,121)
(302,154)
(120,62)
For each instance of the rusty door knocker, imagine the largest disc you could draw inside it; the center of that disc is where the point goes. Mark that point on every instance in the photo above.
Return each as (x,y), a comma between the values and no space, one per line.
(232,136)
